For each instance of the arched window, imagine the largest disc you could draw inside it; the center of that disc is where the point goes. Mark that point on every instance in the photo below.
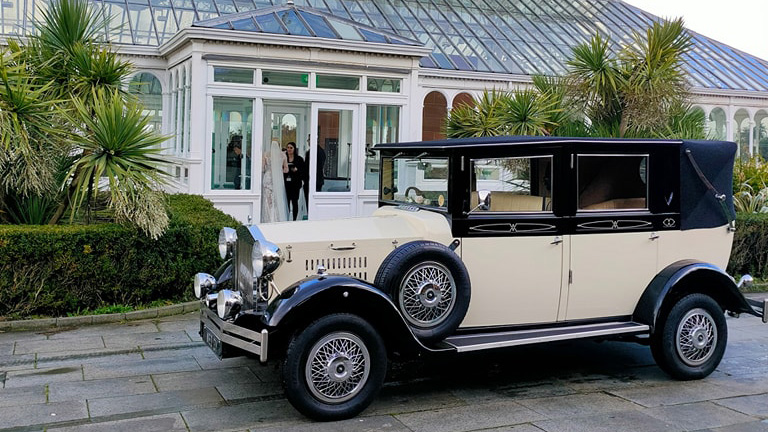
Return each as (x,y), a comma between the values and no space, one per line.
(716,128)
(761,133)
(741,132)
(463,99)
(149,91)
(433,117)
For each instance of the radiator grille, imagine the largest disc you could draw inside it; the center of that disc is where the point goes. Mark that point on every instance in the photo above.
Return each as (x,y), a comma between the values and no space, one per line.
(244,267)
(356,266)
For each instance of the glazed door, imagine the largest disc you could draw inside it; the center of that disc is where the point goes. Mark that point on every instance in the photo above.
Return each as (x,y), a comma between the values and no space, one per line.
(333,171)
(283,124)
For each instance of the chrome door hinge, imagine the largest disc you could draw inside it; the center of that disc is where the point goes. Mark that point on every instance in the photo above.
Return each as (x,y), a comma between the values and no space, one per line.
(557,240)
(654,236)
(570,277)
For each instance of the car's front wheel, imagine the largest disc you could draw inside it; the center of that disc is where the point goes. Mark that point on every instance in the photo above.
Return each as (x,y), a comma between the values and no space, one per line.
(334,367)
(690,341)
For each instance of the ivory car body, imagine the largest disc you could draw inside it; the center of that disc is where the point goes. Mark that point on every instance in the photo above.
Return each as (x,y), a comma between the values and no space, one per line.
(483,244)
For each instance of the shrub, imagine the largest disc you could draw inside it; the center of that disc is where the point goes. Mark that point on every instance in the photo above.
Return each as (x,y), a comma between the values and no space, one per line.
(750,174)
(750,246)
(54,270)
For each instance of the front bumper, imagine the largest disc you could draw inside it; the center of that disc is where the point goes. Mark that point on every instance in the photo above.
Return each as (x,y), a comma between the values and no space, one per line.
(220,336)
(760,307)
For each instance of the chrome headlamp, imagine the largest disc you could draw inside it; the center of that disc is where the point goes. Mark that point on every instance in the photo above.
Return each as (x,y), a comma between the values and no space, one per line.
(257,260)
(228,303)
(227,239)
(203,284)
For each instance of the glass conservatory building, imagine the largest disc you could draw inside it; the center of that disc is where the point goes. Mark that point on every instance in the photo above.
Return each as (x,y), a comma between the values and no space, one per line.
(233,79)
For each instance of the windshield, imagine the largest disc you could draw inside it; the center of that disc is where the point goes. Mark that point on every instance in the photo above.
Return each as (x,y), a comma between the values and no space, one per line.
(421,180)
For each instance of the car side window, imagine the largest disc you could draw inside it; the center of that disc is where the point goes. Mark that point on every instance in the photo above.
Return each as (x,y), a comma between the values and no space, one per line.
(612,182)
(519,184)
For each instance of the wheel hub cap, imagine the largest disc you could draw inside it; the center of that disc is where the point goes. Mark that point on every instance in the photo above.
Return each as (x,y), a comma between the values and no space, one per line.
(339,368)
(429,294)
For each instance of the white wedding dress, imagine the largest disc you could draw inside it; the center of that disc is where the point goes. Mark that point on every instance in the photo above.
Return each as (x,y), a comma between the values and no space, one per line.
(274,201)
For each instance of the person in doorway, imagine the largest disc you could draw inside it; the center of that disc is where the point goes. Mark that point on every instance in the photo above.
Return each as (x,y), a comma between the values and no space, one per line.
(274,205)
(235,148)
(294,177)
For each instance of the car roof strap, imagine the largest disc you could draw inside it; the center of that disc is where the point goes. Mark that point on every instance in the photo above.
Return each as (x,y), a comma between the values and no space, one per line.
(718,196)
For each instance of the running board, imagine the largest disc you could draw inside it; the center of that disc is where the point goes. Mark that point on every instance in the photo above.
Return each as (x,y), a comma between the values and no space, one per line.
(481,341)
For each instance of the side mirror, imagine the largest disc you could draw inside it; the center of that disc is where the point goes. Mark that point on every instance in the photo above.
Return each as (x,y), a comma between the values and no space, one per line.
(484,200)
(745,281)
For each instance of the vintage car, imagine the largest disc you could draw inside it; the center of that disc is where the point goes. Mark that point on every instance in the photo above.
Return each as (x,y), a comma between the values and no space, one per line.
(483,244)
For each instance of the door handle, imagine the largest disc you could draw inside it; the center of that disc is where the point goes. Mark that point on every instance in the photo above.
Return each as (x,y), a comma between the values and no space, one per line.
(654,236)
(343,248)
(557,240)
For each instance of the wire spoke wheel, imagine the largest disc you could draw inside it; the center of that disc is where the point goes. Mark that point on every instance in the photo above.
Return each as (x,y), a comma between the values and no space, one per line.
(337,367)
(696,337)
(427,294)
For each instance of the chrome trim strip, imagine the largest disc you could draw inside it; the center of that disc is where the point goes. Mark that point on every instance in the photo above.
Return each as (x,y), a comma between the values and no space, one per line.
(230,334)
(587,331)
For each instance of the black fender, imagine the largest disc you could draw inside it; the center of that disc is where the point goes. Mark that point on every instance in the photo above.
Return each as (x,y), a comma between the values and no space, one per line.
(317,296)
(685,277)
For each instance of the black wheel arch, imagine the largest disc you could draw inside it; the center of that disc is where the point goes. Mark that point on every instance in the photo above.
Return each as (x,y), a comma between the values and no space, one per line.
(687,277)
(317,296)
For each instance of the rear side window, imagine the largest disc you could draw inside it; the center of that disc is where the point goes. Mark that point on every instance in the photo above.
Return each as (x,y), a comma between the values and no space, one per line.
(521,184)
(613,182)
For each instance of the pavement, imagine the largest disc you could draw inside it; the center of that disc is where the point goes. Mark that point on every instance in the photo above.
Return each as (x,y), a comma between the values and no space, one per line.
(156,375)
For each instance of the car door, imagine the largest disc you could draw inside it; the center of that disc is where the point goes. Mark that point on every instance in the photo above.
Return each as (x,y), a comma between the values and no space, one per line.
(514,249)
(613,246)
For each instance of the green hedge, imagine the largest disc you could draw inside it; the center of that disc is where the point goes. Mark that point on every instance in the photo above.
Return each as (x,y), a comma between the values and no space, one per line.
(56,270)
(750,246)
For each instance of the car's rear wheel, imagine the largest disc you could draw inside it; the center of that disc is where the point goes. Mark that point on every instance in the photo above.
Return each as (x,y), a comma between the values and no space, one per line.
(429,285)
(690,340)
(334,367)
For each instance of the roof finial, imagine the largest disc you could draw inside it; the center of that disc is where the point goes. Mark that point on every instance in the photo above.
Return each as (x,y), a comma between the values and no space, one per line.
(289,2)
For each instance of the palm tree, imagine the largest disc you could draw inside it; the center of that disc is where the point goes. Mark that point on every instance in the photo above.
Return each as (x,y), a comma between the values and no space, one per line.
(638,90)
(119,147)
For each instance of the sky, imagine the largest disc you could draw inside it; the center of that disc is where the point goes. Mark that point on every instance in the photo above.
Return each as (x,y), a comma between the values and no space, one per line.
(738,23)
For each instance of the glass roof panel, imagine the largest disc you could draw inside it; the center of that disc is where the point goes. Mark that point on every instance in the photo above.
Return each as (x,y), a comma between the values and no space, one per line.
(292,22)
(346,31)
(319,25)
(245,24)
(244,5)
(270,24)
(374,37)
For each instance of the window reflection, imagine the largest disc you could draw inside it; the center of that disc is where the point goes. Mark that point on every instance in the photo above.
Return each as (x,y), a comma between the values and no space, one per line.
(231,143)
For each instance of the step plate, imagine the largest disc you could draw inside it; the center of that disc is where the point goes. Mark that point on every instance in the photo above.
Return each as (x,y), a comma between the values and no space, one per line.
(476,342)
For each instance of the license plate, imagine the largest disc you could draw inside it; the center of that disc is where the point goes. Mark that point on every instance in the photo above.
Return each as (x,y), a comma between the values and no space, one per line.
(213,341)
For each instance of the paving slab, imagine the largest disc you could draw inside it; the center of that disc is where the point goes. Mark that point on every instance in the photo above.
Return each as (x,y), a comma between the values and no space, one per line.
(469,418)
(203,379)
(697,416)
(155,403)
(103,330)
(634,421)
(159,423)
(753,405)
(41,414)
(755,426)
(576,405)
(59,345)
(31,377)
(17,362)
(407,398)
(22,396)
(248,392)
(95,389)
(362,424)
(244,416)
(671,393)
(146,339)
(128,368)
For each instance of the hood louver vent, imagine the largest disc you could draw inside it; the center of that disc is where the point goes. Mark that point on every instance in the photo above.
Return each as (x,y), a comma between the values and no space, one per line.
(355,266)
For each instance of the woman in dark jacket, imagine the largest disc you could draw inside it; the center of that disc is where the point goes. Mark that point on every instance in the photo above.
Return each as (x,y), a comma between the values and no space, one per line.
(294,177)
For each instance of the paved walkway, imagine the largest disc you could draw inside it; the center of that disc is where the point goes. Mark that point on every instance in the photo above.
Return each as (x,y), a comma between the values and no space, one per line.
(156,375)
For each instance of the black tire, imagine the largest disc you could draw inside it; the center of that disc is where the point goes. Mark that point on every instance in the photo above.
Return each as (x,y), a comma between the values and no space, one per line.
(344,346)
(690,340)
(430,286)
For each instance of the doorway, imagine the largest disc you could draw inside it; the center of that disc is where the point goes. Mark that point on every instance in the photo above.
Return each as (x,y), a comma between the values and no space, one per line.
(284,123)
